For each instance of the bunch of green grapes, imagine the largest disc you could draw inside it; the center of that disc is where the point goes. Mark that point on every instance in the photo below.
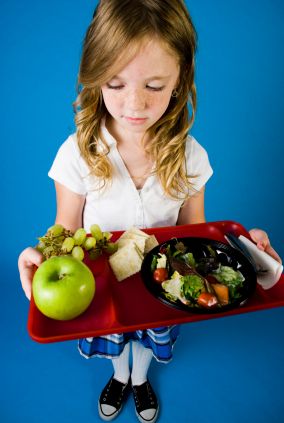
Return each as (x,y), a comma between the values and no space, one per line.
(60,241)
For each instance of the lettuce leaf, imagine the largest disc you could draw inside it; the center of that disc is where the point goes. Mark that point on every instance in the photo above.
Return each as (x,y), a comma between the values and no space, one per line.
(230,277)
(192,286)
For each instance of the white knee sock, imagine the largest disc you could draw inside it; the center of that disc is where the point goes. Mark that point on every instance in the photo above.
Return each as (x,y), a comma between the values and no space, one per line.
(121,365)
(141,361)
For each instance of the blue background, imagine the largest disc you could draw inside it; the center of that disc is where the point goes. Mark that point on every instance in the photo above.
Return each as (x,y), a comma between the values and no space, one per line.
(225,370)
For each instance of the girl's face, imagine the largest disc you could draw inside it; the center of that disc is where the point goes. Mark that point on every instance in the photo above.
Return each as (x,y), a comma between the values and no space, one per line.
(139,95)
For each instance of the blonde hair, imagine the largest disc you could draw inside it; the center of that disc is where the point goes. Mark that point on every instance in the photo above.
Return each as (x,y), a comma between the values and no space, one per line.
(113,38)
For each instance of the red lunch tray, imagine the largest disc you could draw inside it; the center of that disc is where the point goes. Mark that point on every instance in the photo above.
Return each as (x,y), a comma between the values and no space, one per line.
(126,306)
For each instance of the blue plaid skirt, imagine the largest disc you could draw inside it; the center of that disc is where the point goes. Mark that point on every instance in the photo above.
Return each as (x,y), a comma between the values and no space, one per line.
(159,340)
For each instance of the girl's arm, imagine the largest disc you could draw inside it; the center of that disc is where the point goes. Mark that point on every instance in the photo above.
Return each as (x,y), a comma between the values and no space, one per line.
(69,213)
(69,208)
(192,210)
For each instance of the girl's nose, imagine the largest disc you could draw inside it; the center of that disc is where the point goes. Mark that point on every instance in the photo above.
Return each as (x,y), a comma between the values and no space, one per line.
(136,100)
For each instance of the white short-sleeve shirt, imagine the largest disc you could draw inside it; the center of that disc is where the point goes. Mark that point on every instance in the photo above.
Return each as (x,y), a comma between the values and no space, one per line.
(121,205)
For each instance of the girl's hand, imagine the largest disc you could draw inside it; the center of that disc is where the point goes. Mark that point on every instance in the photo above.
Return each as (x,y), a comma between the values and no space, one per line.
(261,239)
(28,262)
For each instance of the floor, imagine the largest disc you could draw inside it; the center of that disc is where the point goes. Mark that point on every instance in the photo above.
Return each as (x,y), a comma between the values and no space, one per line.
(224,370)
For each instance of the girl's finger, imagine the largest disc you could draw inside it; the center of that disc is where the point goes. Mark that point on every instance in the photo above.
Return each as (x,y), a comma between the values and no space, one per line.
(28,262)
(259,237)
(269,250)
(26,275)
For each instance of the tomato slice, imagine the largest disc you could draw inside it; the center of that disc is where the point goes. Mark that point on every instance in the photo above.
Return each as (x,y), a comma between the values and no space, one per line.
(207,300)
(160,274)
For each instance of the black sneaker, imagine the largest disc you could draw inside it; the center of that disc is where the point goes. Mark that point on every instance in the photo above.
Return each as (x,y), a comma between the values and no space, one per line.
(146,402)
(112,398)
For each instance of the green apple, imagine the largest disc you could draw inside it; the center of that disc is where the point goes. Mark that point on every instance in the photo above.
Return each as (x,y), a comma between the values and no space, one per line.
(63,287)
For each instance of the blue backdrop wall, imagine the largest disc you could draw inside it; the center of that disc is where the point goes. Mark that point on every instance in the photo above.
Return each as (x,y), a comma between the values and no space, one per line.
(239,119)
(240,84)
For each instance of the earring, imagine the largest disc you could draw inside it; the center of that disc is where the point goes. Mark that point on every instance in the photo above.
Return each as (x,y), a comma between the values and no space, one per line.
(174,93)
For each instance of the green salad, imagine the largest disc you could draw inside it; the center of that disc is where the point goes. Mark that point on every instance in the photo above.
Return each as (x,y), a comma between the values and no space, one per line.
(196,282)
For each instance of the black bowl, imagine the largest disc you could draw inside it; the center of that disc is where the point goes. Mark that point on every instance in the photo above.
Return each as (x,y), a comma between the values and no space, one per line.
(227,255)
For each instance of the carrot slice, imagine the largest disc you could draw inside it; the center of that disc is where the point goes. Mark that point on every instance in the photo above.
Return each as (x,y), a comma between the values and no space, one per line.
(222,292)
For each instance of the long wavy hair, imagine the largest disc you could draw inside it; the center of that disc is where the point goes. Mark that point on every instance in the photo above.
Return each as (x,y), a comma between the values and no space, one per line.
(114,37)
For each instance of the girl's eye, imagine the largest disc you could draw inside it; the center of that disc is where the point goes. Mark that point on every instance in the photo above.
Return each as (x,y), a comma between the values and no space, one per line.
(115,87)
(119,87)
(155,88)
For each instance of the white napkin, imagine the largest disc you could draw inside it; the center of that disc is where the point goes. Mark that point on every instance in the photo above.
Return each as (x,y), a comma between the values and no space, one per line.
(269,270)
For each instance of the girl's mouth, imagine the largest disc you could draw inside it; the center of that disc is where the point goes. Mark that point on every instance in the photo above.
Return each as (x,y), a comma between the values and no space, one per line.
(135,120)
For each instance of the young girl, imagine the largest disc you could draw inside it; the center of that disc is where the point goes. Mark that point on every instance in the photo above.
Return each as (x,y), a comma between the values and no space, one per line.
(132,162)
